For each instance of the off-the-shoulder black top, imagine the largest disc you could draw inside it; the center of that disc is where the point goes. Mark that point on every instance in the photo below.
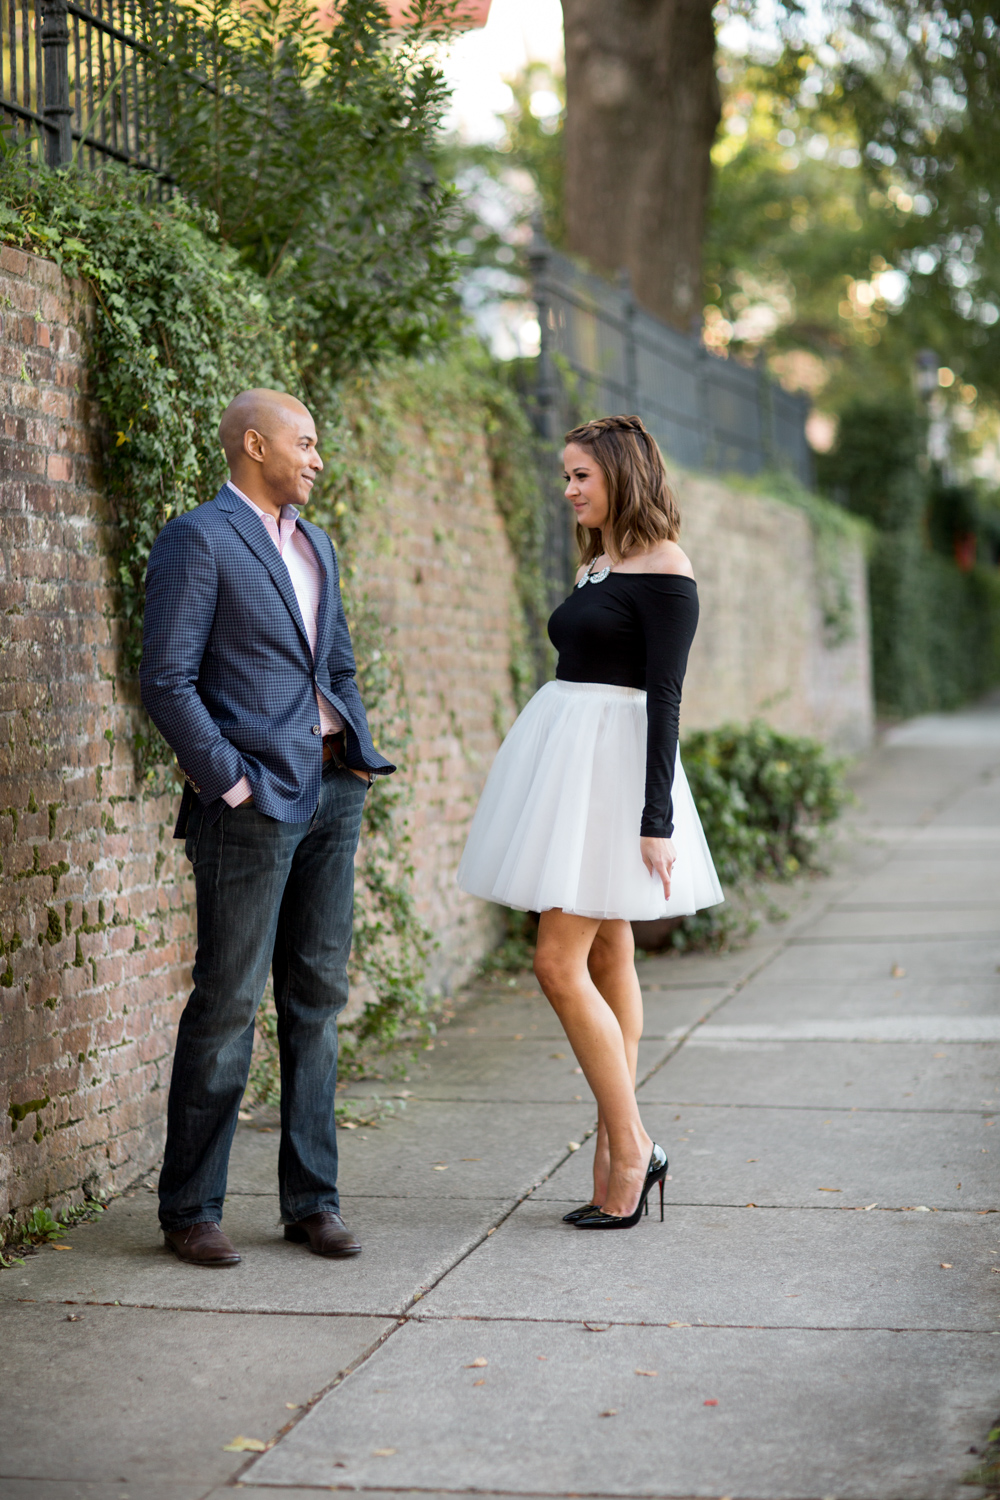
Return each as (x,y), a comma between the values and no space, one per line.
(635,630)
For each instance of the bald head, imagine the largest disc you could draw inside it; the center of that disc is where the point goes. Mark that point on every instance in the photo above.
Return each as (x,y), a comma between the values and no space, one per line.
(269,439)
(259,410)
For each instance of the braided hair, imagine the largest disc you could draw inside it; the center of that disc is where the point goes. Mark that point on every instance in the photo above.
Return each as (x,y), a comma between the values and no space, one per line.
(643,508)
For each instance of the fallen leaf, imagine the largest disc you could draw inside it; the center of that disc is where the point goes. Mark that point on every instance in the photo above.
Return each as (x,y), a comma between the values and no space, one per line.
(293,1405)
(829,1190)
(751,1205)
(245,1445)
(479,1382)
(597,1327)
(519,1037)
(559,1056)
(921,1208)
(545,1356)
(573,1145)
(995,1270)
(244,1115)
(647,1372)
(383,1452)
(73,1317)
(612,1412)
(269,1129)
(678,1325)
(753,1158)
(897,972)
(348,1125)
(868,1208)
(478,1364)
(62,1247)
(491,1231)
(793,1294)
(713,1402)
(470,1158)
(946,1265)
(440,1168)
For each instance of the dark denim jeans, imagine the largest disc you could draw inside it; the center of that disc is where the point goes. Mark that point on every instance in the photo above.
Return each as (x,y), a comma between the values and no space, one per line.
(279,896)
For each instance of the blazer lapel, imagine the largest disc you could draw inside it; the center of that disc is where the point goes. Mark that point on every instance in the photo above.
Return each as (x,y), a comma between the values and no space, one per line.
(251,529)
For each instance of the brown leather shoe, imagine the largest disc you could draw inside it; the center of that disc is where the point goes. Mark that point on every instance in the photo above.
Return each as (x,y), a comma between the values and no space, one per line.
(327,1235)
(202,1245)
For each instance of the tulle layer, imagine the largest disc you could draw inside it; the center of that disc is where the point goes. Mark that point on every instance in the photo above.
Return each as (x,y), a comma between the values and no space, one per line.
(558,821)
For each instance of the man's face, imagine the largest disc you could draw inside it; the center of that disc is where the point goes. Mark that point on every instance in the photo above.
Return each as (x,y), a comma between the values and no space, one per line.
(288,457)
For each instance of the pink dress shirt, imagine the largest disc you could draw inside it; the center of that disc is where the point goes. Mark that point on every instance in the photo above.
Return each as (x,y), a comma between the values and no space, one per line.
(307,581)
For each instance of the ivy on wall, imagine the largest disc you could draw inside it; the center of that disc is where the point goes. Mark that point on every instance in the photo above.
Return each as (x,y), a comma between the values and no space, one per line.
(180,326)
(935,626)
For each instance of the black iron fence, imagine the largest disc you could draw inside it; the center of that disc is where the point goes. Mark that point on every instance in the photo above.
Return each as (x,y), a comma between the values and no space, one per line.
(76,79)
(601,353)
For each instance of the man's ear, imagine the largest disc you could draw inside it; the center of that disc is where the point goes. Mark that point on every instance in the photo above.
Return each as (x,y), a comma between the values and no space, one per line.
(254,445)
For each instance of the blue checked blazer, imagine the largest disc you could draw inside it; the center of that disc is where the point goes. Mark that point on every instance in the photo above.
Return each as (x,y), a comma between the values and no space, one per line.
(227,675)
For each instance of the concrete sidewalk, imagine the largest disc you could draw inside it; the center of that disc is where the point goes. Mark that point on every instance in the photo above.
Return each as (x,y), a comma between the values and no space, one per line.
(818,1316)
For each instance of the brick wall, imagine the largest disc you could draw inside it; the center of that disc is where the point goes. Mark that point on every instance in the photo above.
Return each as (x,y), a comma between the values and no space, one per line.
(97,911)
(762,648)
(96,923)
(96,920)
(441,569)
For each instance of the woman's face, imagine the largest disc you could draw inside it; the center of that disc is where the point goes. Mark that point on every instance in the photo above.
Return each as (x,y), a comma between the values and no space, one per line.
(586,487)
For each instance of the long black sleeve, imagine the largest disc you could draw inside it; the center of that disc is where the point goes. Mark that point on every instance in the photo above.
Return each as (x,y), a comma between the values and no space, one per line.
(668,614)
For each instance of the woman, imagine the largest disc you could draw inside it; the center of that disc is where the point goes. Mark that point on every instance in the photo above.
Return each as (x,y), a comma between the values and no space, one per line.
(586,816)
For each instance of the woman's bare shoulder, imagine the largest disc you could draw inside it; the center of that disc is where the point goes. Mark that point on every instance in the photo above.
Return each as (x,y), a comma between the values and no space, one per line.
(665,557)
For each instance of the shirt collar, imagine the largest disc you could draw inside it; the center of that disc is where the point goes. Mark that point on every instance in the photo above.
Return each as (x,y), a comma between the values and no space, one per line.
(288,512)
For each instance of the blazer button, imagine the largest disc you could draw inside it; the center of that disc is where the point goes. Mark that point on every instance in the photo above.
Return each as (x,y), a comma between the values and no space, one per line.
(317,729)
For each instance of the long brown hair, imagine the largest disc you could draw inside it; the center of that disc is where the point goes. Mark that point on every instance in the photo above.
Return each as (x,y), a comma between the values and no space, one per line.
(643,509)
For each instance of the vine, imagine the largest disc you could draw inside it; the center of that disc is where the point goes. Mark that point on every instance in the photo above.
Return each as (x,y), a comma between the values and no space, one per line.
(179,327)
(832,528)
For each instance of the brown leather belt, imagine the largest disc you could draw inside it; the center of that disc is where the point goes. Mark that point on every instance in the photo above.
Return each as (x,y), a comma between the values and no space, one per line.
(334,746)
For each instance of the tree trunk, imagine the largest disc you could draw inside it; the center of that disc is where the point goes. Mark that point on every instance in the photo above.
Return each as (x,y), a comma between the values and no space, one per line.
(642,108)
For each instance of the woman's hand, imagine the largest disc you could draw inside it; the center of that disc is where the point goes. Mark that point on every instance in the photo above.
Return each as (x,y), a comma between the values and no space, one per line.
(659,857)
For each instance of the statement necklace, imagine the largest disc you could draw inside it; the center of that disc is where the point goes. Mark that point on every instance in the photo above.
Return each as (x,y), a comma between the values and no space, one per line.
(591,577)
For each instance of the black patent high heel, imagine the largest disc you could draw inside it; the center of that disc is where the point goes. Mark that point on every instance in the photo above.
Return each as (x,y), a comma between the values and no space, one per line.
(576,1214)
(655,1172)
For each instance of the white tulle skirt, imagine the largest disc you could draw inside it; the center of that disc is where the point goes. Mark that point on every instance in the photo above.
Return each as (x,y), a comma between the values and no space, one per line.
(558,821)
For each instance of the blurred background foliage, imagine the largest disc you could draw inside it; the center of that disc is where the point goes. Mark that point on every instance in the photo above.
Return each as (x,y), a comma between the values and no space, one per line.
(853,245)
(312,150)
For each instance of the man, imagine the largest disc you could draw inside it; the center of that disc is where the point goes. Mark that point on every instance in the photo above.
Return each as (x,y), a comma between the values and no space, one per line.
(248,672)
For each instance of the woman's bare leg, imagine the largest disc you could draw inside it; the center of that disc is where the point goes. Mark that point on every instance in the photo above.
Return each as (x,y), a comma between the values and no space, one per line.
(611,963)
(596,1036)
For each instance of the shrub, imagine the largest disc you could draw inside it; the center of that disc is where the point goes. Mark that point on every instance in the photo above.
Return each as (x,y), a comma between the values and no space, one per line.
(763,797)
(935,630)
